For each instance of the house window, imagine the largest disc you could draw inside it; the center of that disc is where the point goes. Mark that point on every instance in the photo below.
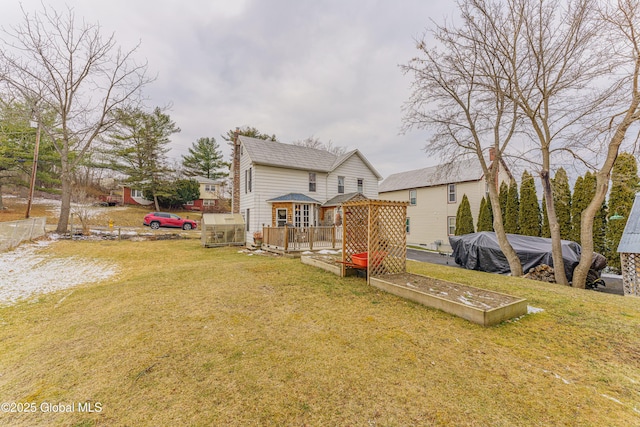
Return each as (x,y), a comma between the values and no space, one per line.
(247,218)
(136,193)
(341,184)
(360,185)
(302,216)
(250,179)
(312,182)
(413,197)
(451,225)
(408,225)
(190,203)
(451,193)
(208,202)
(281,217)
(210,188)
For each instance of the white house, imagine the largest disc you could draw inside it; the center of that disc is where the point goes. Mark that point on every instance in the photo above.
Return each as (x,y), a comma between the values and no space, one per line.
(276,184)
(434,194)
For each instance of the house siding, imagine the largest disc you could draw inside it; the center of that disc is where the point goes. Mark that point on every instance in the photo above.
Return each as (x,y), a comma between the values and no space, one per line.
(269,182)
(352,169)
(429,217)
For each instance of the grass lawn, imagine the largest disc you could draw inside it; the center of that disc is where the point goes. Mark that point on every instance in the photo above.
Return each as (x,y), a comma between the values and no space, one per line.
(192,336)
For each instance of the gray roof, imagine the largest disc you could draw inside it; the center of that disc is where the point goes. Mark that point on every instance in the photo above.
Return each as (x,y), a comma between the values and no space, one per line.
(291,156)
(205,180)
(630,240)
(341,198)
(462,171)
(293,197)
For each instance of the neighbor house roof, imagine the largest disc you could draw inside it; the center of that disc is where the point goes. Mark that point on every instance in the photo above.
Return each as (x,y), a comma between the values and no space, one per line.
(341,198)
(461,171)
(630,240)
(204,180)
(291,156)
(294,197)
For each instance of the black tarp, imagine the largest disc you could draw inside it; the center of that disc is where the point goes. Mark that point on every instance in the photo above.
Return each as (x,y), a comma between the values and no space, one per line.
(480,251)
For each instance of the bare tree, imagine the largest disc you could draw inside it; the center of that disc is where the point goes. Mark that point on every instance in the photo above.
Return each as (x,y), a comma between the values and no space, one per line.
(622,20)
(312,142)
(459,92)
(55,63)
(554,58)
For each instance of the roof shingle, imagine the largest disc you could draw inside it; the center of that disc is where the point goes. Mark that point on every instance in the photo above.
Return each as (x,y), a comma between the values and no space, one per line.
(462,171)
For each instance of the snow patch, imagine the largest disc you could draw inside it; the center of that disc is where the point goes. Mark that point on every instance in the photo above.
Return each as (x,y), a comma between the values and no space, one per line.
(25,272)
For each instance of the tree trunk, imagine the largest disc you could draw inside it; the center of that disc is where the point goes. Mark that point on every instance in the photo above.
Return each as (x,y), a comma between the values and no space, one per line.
(554,228)
(155,202)
(498,226)
(1,202)
(586,230)
(65,205)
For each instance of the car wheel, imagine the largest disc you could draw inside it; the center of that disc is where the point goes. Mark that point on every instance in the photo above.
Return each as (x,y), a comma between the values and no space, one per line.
(186,226)
(155,225)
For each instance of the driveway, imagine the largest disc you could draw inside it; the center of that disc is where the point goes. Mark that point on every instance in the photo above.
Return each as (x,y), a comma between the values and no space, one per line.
(613,282)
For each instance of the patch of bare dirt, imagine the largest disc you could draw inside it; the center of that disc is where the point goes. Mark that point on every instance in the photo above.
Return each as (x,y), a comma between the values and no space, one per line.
(467,295)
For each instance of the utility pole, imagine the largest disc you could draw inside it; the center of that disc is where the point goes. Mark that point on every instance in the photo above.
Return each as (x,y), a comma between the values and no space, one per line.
(34,170)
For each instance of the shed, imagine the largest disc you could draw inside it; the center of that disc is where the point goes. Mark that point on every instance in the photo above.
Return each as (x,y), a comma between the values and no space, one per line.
(222,229)
(629,250)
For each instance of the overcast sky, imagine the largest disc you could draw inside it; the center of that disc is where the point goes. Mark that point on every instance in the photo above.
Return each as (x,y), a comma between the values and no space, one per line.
(323,68)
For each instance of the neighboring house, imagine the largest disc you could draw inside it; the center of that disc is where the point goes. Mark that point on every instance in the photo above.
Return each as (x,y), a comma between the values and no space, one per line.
(211,195)
(434,194)
(276,184)
(133,196)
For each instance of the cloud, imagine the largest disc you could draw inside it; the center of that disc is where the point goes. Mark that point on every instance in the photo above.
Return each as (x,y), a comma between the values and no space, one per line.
(295,69)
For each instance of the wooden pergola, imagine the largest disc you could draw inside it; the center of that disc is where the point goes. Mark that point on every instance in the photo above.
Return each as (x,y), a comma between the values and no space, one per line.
(378,228)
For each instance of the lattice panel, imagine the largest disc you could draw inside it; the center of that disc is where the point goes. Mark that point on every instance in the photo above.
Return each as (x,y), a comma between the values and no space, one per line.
(387,239)
(376,227)
(355,223)
(630,273)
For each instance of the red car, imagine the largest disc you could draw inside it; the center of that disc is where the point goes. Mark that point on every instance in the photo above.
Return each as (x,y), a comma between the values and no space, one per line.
(156,220)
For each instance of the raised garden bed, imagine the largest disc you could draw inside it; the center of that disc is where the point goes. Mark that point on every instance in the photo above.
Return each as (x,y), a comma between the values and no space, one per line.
(328,263)
(477,305)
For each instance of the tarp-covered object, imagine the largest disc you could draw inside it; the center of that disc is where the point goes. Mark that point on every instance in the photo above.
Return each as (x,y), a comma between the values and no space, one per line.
(481,251)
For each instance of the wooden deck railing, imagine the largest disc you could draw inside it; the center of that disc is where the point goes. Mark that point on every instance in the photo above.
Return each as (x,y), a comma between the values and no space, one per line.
(301,239)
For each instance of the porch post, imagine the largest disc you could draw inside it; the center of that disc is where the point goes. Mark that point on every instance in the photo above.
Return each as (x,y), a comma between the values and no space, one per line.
(333,237)
(286,238)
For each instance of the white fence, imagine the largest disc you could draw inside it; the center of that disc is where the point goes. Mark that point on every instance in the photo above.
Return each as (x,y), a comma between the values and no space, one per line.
(14,232)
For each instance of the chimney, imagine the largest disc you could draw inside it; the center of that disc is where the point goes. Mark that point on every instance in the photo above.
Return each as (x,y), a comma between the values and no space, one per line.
(235,170)
(492,154)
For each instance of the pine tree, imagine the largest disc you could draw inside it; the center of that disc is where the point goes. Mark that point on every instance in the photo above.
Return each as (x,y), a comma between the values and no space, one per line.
(600,230)
(502,198)
(577,205)
(138,148)
(624,184)
(583,193)
(562,202)
(529,213)
(464,218)
(511,210)
(205,159)
(485,216)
